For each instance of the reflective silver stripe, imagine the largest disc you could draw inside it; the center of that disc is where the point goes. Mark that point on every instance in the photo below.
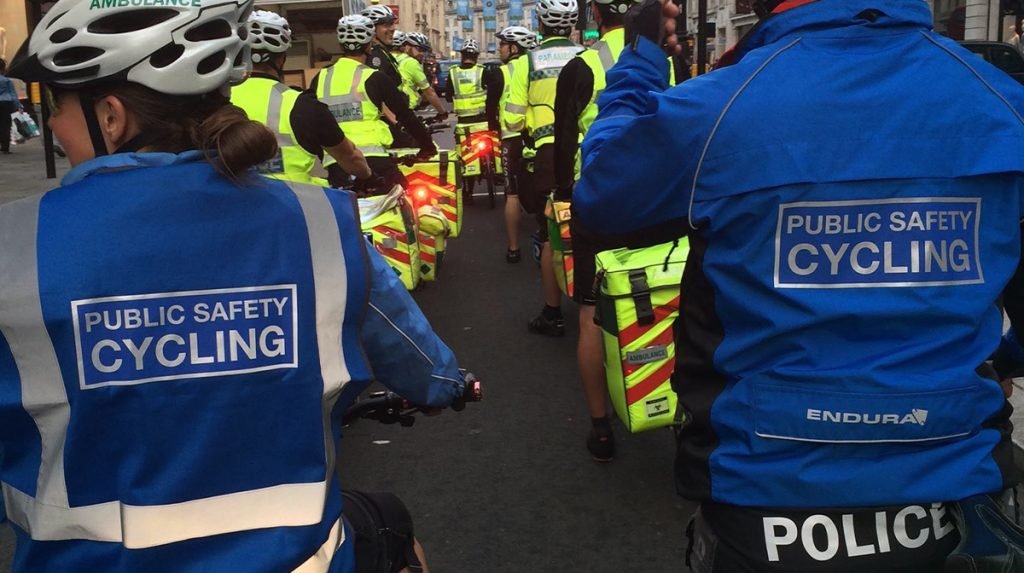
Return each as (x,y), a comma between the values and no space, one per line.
(21,323)
(604,52)
(375,149)
(328,79)
(514,108)
(471,111)
(47,516)
(320,562)
(330,284)
(516,126)
(274,115)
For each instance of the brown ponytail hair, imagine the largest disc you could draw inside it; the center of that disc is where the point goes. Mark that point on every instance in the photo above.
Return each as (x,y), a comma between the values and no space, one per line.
(231,142)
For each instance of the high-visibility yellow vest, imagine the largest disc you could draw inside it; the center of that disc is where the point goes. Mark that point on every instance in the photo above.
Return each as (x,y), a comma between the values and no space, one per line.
(468,95)
(507,73)
(600,58)
(406,87)
(343,89)
(545,63)
(270,102)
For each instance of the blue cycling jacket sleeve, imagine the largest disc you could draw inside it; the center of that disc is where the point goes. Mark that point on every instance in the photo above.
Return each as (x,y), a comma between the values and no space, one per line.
(404,352)
(629,142)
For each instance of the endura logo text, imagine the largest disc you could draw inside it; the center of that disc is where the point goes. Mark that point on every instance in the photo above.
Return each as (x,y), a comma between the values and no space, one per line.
(915,416)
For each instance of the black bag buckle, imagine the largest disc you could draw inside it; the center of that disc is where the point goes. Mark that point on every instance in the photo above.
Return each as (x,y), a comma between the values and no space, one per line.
(641,292)
(442,172)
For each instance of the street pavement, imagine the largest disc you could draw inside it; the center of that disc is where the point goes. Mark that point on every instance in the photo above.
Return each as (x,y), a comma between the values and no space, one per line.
(506,485)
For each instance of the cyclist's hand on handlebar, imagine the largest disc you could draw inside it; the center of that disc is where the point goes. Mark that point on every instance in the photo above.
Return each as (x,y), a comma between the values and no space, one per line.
(426,153)
(367,185)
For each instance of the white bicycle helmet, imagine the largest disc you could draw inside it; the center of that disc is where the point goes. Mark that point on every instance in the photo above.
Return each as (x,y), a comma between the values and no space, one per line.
(269,32)
(418,40)
(519,35)
(398,39)
(618,6)
(355,32)
(379,14)
(470,47)
(558,14)
(172,49)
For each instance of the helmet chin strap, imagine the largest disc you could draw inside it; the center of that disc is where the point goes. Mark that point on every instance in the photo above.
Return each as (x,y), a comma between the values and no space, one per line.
(88,103)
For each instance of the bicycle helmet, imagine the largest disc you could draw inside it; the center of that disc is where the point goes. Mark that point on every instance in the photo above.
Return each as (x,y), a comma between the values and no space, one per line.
(520,36)
(470,47)
(398,39)
(558,14)
(268,32)
(355,32)
(418,40)
(171,49)
(379,14)
(617,6)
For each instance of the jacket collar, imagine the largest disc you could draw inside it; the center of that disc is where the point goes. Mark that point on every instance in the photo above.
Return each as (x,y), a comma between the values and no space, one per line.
(836,19)
(126,161)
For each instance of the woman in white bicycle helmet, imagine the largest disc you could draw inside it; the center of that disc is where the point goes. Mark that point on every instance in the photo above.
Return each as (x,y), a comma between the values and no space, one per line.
(519,36)
(558,16)
(196,428)
(160,64)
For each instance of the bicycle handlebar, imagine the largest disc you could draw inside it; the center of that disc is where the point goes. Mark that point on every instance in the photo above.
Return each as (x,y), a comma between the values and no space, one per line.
(389,408)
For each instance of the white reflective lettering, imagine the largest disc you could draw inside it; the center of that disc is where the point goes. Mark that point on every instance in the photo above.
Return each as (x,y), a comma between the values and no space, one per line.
(882,531)
(831,534)
(899,527)
(161,356)
(772,540)
(98,364)
(91,320)
(193,351)
(272,347)
(797,269)
(941,529)
(850,535)
(835,257)
(138,352)
(855,258)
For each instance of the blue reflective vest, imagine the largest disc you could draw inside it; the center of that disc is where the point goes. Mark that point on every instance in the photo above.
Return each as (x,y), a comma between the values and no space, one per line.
(856,187)
(173,348)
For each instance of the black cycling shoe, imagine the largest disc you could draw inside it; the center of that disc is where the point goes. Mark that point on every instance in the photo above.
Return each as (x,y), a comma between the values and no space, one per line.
(601,444)
(547,327)
(512,256)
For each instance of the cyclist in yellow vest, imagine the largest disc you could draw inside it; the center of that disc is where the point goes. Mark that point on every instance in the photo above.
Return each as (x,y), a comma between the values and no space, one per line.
(414,80)
(467,90)
(531,109)
(380,57)
(304,127)
(356,95)
(513,43)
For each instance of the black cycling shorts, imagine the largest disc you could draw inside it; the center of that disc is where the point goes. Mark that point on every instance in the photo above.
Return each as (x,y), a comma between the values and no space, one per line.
(535,187)
(512,162)
(384,537)
(894,539)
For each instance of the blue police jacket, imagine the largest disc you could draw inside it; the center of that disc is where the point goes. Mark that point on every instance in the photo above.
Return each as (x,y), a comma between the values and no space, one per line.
(854,183)
(173,348)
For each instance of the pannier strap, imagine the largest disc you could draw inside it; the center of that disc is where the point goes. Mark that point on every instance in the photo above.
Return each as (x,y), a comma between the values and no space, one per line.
(641,296)
(442,170)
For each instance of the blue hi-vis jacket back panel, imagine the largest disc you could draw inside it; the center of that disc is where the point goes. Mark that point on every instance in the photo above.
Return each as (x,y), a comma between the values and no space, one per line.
(171,350)
(856,186)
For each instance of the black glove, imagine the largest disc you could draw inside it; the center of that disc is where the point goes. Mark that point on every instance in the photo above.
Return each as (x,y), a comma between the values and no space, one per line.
(367,185)
(645,20)
(440,117)
(527,140)
(426,152)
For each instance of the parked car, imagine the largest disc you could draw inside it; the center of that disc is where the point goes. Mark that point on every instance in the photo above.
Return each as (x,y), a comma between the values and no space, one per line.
(442,76)
(1001,55)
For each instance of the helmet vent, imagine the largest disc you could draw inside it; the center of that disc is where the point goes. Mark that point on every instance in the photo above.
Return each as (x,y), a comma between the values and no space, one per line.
(126,22)
(212,30)
(77,55)
(166,55)
(63,35)
(211,63)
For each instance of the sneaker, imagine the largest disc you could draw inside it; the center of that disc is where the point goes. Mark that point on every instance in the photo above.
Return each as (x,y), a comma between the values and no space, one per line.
(601,444)
(512,256)
(542,325)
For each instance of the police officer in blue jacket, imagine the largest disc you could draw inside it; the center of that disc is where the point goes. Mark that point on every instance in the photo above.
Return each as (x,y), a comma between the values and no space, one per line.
(852,187)
(179,337)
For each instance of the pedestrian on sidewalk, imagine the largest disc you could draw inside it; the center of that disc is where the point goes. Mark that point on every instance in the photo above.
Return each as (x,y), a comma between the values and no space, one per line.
(8,104)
